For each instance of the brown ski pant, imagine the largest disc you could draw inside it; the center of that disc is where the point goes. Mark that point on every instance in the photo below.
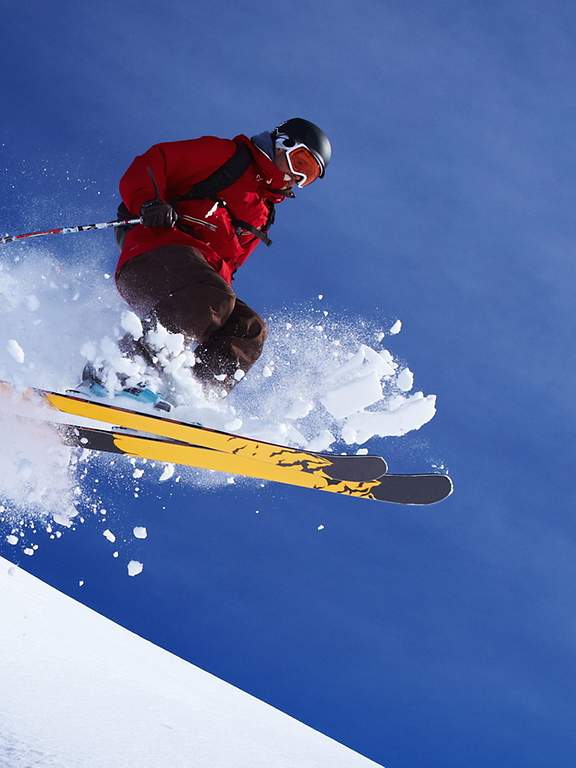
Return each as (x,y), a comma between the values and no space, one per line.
(176,286)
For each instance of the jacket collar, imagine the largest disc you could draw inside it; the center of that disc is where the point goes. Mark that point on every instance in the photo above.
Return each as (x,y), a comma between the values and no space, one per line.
(265,142)
(272,176)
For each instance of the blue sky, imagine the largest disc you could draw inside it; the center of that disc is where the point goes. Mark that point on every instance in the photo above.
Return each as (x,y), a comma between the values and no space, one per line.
(417,637)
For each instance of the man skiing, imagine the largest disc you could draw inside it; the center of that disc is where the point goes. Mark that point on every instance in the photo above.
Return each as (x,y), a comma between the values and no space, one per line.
(205,204)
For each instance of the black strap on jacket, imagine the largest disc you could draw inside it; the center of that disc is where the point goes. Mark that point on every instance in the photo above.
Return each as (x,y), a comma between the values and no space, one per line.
(209,189)
(222,177)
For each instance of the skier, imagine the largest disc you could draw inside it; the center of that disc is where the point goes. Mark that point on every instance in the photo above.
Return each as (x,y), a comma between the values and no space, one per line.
(205,204)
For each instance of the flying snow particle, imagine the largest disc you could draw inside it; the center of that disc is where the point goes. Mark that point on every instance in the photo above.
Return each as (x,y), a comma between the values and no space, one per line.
(321,527)
(63,520)
(174,344)
(140,532)
(32,303)
(13,540)
(396,328)
(405,380)
(15,350)
(135,568)
(351,397)
(131,324)
(88,350)
(167,473)
(137,473)
(322,441)
(109,536)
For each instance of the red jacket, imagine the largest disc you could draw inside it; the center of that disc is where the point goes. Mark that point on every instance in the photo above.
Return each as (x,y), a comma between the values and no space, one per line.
(176,167)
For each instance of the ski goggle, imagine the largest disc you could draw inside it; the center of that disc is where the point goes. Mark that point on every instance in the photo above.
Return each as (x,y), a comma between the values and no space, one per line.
(302,163)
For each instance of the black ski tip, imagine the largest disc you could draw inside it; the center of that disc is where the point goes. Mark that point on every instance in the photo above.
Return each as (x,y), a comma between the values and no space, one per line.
(86,437)
(413,489)
(357,469)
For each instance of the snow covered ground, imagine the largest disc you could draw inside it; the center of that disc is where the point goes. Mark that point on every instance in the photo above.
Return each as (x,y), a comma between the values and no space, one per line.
(323,383)
(78,691)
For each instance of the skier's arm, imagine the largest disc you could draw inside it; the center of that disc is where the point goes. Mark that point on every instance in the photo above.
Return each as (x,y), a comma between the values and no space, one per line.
(144,180)
(247,249)
(169,169)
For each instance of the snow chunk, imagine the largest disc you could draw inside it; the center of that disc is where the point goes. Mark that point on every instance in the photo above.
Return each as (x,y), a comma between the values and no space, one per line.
(109,536)
(135,568)
(413,414)
(16,351)
(352,397)
(137,474)
(321,442)
(174,344)
(396,328)
(405,380)
(63,520)
(140,532)
(167,473)
(13,540)
(299,408)
(366,361)
(131,324)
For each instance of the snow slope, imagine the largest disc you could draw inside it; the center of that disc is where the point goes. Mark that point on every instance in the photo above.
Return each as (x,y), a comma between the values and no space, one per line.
(78,691)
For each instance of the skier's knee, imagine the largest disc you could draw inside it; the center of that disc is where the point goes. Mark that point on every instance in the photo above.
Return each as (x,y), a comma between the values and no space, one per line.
(263,329)
(221,307)
(256,328)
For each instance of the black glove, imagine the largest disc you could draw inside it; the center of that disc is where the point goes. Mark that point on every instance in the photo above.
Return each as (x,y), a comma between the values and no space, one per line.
(157,213)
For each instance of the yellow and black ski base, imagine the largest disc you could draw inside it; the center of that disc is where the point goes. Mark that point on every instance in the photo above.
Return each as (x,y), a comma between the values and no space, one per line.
(167,440)
(398,489)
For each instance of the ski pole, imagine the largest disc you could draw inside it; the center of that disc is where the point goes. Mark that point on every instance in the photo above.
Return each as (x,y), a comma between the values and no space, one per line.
(69,230)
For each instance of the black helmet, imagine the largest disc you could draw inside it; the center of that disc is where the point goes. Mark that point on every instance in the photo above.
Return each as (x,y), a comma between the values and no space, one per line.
(305,132)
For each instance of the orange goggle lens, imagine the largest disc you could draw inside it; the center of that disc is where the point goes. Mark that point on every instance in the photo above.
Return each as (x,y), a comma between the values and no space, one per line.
(302,163)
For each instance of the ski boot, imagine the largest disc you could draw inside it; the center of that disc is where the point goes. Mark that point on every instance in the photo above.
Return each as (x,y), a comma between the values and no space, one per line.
(92,386)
